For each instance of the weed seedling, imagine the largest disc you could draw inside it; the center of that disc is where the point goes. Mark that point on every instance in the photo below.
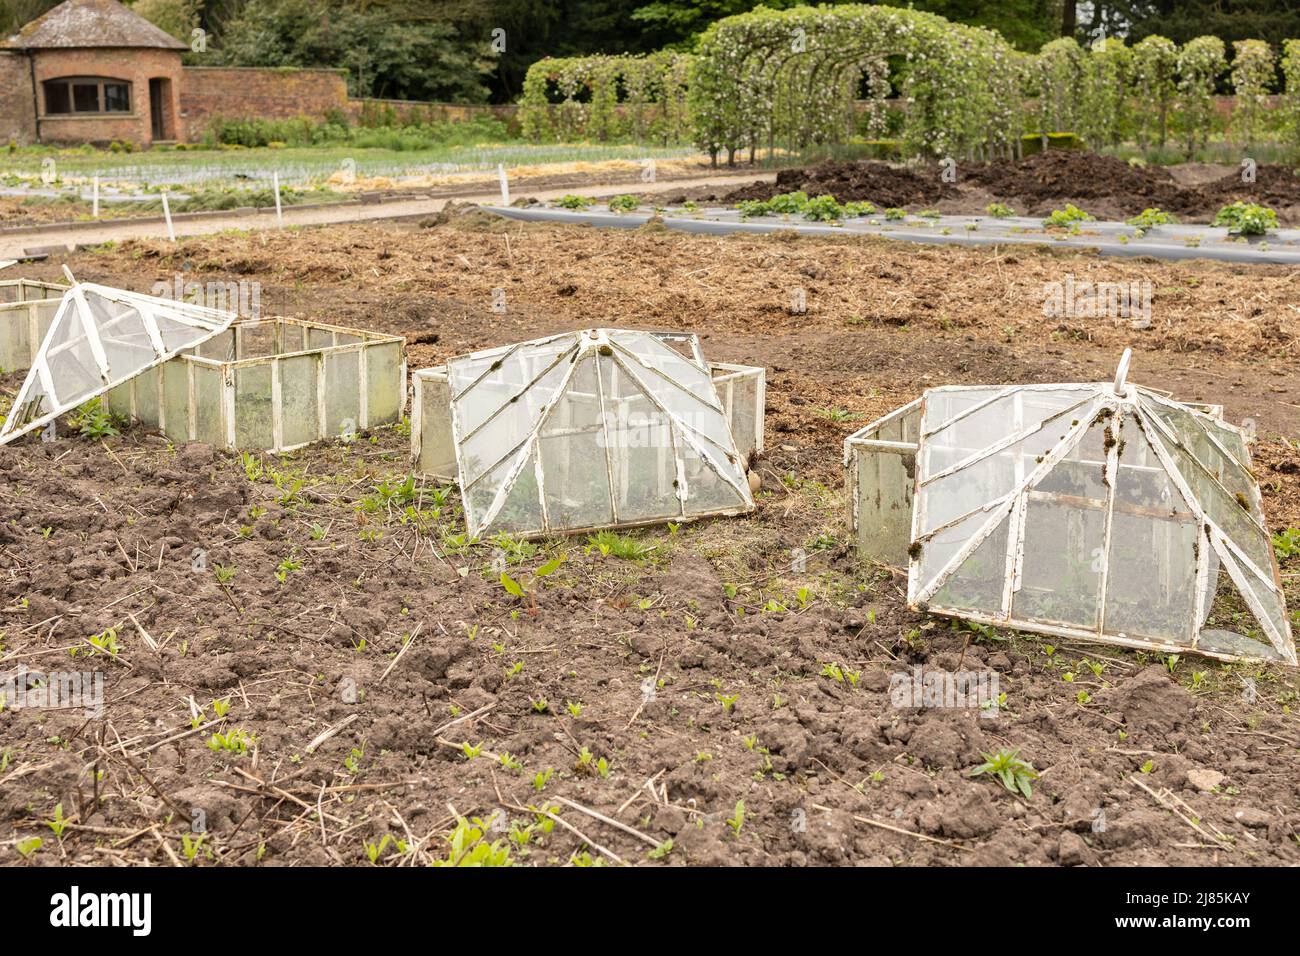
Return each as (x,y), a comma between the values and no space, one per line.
(58,824)
(105,643)
(610,543)
(1015,774)
(1067,218)
(92,420)
(470,848)
(528,592)
(190,846)
(737,819)
(233,742)
(471,750)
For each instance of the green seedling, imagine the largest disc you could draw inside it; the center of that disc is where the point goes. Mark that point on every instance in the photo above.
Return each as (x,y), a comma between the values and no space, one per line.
(94,421)
(528,592)
(1015,774)
(105,643)
(737,819)
(612,544)
(471,750)
(469,846)
(1246,219)
(509,761)
(1067,218)
(190,846)
(233,742)
(58,824)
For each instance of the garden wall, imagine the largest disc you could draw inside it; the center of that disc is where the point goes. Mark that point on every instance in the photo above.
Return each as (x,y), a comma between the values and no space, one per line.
(17,106)
(235,92)
(240,92)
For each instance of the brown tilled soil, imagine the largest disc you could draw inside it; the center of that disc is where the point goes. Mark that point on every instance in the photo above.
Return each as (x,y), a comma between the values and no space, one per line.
(1106,187)
(107,535)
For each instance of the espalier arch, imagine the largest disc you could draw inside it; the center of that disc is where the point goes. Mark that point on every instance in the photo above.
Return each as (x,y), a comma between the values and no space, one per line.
(789,78)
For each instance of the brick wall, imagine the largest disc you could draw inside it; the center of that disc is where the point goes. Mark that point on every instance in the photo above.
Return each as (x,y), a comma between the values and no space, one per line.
(136,66)
(17,111)
(239,92)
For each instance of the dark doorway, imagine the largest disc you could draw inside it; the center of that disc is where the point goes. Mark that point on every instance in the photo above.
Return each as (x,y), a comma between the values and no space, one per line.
(159,114)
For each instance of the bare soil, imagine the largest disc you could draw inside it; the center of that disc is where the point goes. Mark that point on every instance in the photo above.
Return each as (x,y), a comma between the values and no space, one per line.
(97,535)
(1105,186)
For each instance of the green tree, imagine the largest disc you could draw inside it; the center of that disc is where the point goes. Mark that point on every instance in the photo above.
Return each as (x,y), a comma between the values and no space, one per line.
(176,17)
(1291,98)
(390,49)
(1272,21)
(1026,24)
(17,13)
(1253,65)
(1155,78)
(1200,62)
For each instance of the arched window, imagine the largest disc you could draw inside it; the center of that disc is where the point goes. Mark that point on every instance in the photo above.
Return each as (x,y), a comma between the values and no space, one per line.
(86,94)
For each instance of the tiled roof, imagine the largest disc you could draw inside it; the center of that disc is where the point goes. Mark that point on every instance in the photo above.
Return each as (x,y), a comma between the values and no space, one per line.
(81,24)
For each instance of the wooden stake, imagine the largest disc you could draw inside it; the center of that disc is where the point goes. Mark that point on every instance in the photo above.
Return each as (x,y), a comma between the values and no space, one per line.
(167,214)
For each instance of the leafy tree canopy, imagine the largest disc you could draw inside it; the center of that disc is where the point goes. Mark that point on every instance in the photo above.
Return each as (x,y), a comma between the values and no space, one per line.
(391,49)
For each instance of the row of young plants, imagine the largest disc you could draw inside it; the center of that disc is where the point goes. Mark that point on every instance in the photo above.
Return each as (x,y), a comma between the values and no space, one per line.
(1241,218)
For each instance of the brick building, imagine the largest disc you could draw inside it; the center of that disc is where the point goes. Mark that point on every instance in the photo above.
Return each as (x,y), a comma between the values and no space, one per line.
(91,71)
